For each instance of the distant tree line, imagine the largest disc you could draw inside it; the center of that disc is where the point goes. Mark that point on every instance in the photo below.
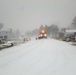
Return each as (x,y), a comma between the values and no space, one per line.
(52,30)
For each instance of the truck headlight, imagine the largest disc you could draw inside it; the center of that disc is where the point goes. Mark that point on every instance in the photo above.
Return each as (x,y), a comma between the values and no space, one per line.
(44,34)
(40,34)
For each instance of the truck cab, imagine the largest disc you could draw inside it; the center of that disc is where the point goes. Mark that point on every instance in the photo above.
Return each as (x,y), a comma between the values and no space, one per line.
(42,34)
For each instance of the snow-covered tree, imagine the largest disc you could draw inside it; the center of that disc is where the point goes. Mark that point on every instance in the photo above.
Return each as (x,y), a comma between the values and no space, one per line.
(74,23)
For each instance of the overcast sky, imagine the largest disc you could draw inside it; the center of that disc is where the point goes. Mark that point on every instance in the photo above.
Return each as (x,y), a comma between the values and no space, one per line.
(30,14)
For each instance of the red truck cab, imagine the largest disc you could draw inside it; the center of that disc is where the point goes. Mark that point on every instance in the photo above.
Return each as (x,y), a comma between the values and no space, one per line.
(42,34)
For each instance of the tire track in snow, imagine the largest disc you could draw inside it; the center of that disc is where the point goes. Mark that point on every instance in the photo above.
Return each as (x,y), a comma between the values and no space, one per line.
(28,48)
(39,60)
(16,50)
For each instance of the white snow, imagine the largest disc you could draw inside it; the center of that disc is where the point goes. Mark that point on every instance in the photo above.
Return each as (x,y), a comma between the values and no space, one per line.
(39,57)
(71,31)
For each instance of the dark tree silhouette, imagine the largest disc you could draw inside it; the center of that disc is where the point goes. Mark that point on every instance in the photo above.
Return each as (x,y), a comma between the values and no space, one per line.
(1,25)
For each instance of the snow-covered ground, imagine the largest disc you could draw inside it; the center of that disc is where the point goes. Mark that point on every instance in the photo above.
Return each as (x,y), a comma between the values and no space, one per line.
(39,57)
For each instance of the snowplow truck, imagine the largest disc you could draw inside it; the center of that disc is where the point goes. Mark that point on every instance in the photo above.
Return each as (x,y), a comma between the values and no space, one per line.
(42,34)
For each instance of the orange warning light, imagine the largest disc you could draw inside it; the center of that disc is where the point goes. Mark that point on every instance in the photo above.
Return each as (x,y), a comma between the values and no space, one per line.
(43,31)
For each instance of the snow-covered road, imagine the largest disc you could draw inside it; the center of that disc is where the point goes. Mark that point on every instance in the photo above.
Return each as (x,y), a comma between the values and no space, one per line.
(39,57)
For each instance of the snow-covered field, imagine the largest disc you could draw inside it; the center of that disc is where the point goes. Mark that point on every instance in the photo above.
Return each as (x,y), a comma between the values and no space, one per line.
(39,57)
